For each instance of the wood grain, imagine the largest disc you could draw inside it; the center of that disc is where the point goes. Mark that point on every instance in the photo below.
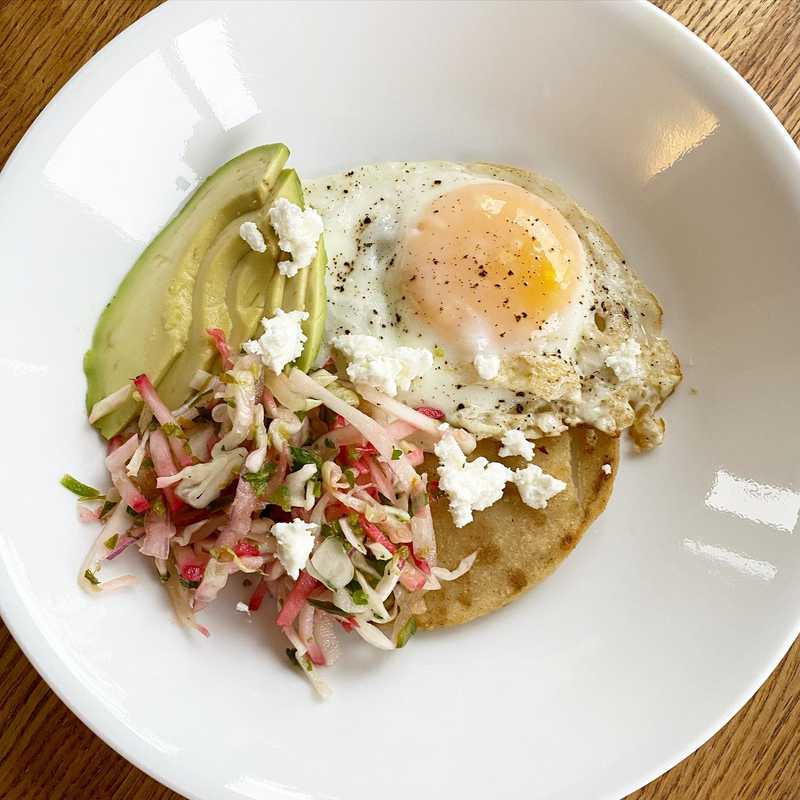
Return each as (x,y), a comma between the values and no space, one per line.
(47,754)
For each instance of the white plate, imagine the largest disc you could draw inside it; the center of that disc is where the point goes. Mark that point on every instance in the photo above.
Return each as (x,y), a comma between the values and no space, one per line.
(679,601)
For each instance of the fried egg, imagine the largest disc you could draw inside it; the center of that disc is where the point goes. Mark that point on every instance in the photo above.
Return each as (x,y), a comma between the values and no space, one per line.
(484,264)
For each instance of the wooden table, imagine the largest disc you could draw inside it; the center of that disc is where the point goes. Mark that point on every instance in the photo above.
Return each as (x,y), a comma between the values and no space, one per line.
(47,754)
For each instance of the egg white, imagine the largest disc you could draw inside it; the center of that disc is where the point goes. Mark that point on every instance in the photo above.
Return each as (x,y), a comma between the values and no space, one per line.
(559,377)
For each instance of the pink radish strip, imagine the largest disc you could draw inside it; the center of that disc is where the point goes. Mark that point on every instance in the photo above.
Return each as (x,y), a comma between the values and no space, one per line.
(325,636)
(412,578)
(300,382)
(268,401)
(191,566)
(380,479)
(119,456)
(115,462)
(122,545)
(303,588)
(258,595)
(305,627)
(241,512)
(349,435)
(163,415)
(164,466)
(158,531)
(221,343)
(374,533)
(415,456)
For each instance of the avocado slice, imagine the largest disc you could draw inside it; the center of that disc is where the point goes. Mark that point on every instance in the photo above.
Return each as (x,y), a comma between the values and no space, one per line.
(146,325)
(236,286)
(305,291)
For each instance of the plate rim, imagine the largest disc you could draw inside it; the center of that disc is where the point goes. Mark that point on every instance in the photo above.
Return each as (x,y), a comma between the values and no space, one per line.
(20,620)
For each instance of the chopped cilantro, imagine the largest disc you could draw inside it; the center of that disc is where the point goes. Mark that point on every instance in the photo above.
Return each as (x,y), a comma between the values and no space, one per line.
(131,513)
(350,477)
(301,456)
(360,597)
(332,529)
(189,584)
(171,429)
(111,542)
(158,506)
(323,605)
(107,507)
(280,498)
(406,632)
(396,453)
(91,577)
(80,489)
(259,480)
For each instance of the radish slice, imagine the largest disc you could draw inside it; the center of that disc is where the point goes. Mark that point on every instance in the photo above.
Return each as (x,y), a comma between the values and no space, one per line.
(325,636)
(221,343)
(370,429)
(303,588)
(163,415)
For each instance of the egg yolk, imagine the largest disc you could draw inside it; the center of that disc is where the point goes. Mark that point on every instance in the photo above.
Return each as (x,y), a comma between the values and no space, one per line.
(490,261)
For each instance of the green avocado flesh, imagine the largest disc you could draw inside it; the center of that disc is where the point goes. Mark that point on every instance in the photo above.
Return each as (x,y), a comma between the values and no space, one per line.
(146,325)
(198,274)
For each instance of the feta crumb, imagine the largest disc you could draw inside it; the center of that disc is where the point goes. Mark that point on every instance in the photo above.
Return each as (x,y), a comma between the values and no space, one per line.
(515,444)
(536,487)
(295,543)
(470,485)
(487,365)
(606,468)
(252,235)
(243,608)
(491,205)
(625,361)
(298,232)
(549,423)
(282,341)
(388,372)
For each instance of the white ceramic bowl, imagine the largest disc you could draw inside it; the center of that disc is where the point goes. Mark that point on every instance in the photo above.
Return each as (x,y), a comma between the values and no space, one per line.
(679,601)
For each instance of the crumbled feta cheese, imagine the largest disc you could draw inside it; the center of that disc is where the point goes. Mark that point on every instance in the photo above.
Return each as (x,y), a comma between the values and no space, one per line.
(252,235)
(282,341)
(243,608)
(549,423)
(298,232)
(487,365)
(470,485)
(295,543)
(491,205)
(625,361)
(606,468)
(536,487)
(515,444)
(386,371)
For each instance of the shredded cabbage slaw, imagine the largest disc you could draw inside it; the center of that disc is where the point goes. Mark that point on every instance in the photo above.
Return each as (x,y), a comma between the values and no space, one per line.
(199,489)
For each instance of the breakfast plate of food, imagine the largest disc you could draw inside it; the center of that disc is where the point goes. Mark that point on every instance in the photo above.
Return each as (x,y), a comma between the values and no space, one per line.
(435,386)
